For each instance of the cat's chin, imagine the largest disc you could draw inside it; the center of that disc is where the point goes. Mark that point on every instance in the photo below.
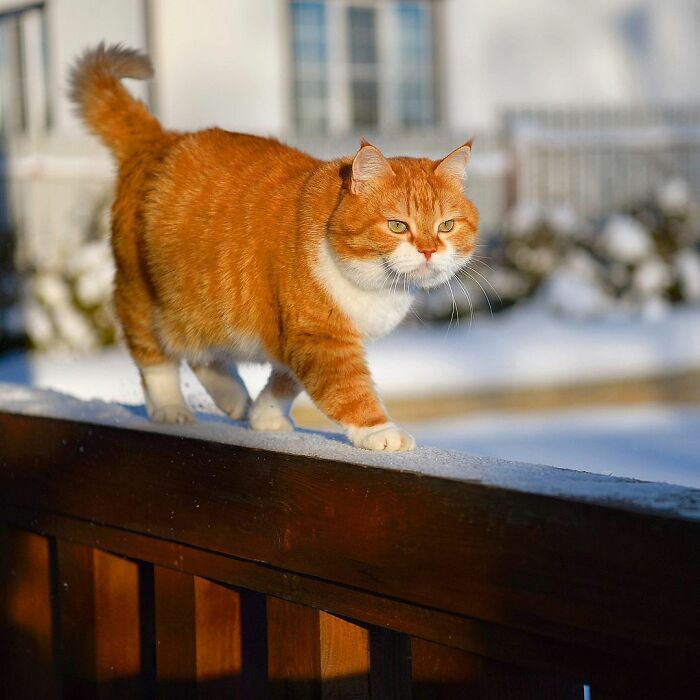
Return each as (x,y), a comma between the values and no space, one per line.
(429,279)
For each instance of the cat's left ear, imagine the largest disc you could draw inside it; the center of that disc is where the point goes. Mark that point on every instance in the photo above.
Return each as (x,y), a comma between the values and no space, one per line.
(455,164)
(369,163)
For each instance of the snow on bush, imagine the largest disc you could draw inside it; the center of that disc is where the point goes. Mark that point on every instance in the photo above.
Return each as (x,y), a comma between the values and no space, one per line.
(674,197)
(625,240)
(687,264)
(571,293)
(69,306)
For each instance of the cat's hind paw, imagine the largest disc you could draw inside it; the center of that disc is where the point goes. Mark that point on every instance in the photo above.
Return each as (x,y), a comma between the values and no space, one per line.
(236,408)
(269,420)
(172,415)
(386,437)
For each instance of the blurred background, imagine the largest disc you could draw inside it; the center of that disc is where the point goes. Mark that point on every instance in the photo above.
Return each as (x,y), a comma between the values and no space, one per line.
(574,337)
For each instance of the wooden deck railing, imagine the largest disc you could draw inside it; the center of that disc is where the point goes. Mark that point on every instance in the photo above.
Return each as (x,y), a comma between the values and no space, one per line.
(147,565)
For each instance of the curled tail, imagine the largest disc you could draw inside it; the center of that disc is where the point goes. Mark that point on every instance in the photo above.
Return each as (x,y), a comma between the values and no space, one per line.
(103,103)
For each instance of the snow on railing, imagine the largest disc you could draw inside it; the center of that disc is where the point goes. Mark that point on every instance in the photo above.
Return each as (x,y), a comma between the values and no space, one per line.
(143,560)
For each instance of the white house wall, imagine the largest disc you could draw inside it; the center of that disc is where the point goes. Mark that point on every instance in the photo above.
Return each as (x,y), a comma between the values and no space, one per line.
(534,53)
(74,25)
(222,62)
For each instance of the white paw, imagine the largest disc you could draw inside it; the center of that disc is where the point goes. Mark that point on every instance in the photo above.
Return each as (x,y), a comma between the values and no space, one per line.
(387,437)
(174,414)
(271,423)
(235,407)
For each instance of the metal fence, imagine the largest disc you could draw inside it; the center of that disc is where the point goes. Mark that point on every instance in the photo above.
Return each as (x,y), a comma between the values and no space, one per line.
(600,159)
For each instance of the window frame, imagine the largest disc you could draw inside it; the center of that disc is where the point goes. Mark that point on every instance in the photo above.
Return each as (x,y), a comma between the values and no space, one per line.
(338,116)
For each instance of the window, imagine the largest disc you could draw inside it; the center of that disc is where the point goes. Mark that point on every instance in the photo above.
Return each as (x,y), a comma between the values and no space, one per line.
(24,104)
(360,64)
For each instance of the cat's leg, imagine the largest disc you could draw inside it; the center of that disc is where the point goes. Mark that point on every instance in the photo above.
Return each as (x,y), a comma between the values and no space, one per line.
(337,378)
(164,400)
(225,386)
(160,374)
(270,412)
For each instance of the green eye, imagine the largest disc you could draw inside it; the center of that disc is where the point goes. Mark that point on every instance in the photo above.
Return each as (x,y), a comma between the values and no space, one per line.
(397,226)
(446,226)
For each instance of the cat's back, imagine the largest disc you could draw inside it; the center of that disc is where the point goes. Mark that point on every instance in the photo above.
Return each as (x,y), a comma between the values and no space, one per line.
(218,158)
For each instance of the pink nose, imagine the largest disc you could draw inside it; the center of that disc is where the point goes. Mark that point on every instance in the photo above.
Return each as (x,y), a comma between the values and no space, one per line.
(428,252)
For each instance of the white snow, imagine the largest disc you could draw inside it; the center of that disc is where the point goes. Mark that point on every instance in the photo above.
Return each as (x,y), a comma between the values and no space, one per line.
(529,347)
(550,481)
(687,264)
(573,294)
(653,442)
(93,269)
(651,277)
(524,217)
(674,196)
(563,219)
(625,239)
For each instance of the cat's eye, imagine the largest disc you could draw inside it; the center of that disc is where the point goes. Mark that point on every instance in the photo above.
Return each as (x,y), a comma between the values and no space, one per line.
(446,226)
(397,226)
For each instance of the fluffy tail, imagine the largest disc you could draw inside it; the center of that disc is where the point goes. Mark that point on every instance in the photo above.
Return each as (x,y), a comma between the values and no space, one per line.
(103,103)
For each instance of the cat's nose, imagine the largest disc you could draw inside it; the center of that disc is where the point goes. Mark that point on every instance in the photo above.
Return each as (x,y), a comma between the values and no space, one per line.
(427,252)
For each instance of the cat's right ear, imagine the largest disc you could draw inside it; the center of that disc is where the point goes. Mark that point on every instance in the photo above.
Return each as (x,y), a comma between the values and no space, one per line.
(369,163)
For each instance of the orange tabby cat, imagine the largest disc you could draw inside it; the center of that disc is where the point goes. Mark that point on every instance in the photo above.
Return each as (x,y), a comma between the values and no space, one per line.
(236,247)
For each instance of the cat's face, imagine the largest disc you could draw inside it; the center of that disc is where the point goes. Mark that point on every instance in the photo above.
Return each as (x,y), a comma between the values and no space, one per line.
(404,220)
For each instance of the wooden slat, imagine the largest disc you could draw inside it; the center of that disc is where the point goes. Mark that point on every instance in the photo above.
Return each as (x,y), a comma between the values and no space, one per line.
(390,665)
(29,665)
(344,659)
(176,655)
(294,651)
(484,639)
(100,627)
(443,673)
(76,603)
(118,647)
(218,641)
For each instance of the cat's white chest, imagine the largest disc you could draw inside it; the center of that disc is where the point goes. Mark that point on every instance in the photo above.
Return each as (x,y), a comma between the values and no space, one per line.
(374,313)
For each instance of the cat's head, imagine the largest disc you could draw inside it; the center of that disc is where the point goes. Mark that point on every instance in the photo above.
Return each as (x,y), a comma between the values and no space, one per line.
(403,219)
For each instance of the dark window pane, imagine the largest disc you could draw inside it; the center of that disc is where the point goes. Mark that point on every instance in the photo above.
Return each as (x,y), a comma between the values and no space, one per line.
(363,44)
(416,68)
(310,63)
(365,107)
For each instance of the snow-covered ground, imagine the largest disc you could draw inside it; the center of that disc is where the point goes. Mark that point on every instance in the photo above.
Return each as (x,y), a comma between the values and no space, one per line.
(527,348)
(656,443)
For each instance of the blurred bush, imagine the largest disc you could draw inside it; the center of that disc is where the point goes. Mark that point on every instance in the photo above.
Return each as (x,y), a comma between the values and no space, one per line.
(70,306)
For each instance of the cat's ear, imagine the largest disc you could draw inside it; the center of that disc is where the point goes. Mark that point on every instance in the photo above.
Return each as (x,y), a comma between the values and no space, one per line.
(455,164)
(369,163)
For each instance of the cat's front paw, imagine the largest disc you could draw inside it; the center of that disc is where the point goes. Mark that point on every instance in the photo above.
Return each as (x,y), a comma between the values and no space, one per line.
(386,437)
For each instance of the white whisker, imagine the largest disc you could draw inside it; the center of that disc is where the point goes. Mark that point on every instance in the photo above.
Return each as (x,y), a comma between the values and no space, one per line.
(476,272)
(469,300)
(454,305)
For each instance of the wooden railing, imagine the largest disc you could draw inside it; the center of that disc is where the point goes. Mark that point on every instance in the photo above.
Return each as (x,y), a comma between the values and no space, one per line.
(148,565)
